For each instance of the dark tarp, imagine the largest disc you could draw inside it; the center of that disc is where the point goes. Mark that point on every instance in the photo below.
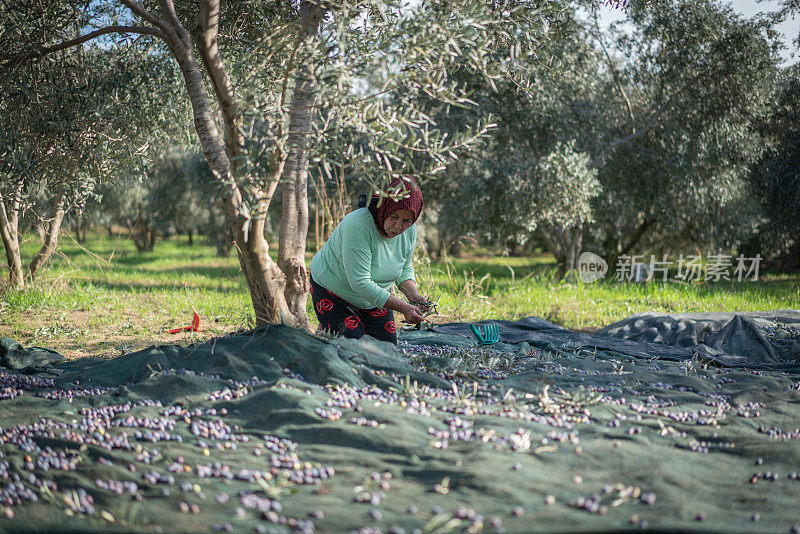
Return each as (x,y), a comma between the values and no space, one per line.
(751,339)
(548,430)
(30,360)
(765,340)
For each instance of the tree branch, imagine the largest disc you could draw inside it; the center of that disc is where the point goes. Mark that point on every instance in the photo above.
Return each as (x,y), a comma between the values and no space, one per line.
(642,131)
(351,102)
(51,237)
(290,64)
(208,47)
(168,9)
(548,241)
(41,51)
(637,235)
(146,15)
(5,223)
(654,119)
(614,73)
(10,221)
(662,107)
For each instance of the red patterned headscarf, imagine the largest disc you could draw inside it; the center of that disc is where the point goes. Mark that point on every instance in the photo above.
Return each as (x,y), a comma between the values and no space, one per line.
(411,200)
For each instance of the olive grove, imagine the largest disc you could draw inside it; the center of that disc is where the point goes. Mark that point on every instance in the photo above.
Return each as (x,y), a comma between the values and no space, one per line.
(64,126)
(664,113)
(270,83)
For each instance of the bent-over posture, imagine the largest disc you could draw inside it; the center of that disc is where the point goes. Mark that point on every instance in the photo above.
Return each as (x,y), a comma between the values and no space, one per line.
(368,251)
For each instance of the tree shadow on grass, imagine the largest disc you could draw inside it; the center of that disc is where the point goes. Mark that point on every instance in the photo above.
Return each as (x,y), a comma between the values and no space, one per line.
(133,260)
(497,270)
(139,287)
(198,275)
(222,273)
(778,288)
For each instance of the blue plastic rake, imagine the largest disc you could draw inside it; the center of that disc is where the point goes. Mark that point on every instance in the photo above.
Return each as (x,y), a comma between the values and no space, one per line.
(489,336)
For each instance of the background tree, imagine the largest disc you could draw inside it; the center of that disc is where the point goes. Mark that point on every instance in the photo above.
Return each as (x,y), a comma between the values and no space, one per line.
(62,131)
(565,184)
(664,113)
(173,193)
(559,105)
(66,123)
(700,78)
(775,178)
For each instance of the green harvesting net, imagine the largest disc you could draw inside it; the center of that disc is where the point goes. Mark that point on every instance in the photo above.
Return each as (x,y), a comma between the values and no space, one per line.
(279,430)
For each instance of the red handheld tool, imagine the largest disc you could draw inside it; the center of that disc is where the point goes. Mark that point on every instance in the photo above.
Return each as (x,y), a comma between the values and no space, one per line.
(194,327)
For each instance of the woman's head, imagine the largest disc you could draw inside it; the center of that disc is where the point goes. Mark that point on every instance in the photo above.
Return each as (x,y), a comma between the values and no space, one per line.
(393,217)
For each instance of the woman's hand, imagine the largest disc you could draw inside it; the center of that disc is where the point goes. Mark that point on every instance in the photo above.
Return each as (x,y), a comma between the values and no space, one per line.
(411,291)
(422,303)
(413,314)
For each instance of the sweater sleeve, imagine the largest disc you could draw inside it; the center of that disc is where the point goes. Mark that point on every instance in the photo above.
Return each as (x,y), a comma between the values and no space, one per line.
(357,263)
(408,268)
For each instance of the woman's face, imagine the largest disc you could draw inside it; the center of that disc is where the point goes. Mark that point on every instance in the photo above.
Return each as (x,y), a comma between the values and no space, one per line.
(398,222)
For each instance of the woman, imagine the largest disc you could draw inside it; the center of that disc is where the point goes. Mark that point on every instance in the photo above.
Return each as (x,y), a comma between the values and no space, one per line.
(370,249)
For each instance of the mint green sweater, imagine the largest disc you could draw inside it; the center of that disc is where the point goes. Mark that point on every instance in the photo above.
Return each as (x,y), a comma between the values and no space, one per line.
(360,265)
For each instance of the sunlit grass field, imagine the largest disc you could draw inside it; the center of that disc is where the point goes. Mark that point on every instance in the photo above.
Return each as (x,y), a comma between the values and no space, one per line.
(512,288)
(104,298)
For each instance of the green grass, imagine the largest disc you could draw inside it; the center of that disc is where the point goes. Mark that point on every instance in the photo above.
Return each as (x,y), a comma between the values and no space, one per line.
(103,297)
(511,288)
(104,287)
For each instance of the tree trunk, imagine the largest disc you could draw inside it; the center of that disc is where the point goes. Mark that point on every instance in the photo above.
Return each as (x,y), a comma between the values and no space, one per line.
(565,244)
(50,239)
(223,244)
(574,241)
(41,230)
(634,239)
(151,239)
(142,234)
(218,230)
(264,279)
(80,228)
(294,201)
(791,260)
(14,259)
(554,248)
(9,231)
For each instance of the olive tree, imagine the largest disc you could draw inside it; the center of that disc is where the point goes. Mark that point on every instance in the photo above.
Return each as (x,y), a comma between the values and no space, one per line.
(775,178)
(66,122)
(564,185)
(664,113)
(61,128)
(269,83)
(175,194)
(533,178)
(699,79)
(35,152)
